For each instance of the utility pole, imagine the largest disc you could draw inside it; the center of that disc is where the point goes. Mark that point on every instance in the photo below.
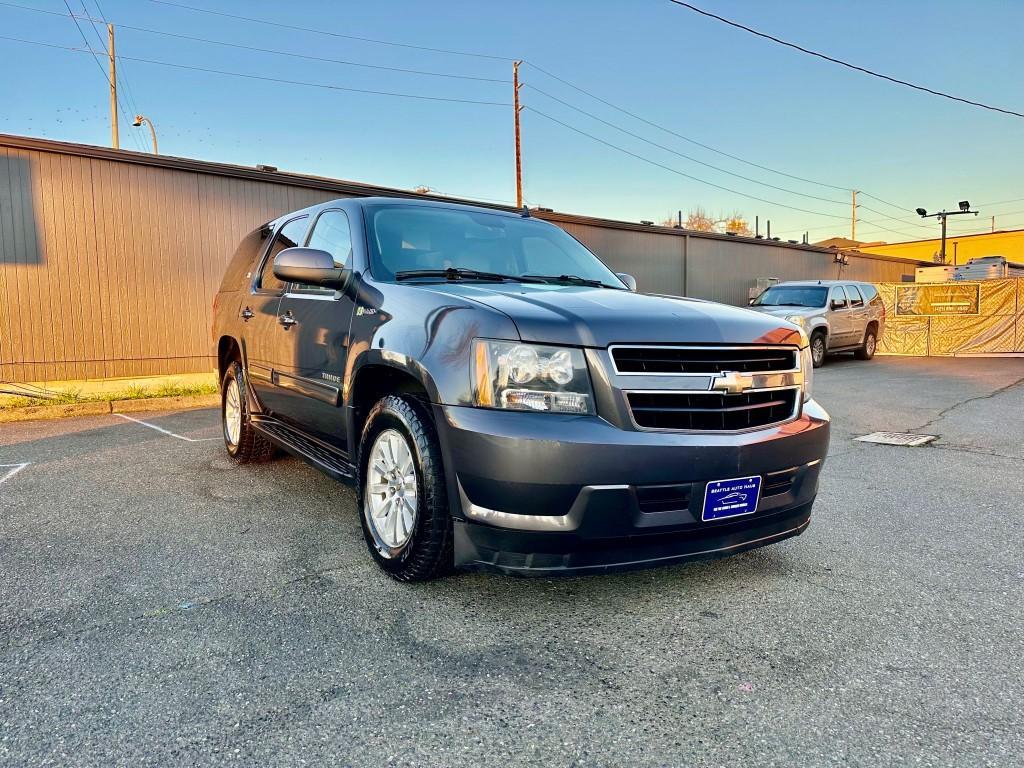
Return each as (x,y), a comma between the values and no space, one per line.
(853,216)
(993,223)
(113,88)
(519,153)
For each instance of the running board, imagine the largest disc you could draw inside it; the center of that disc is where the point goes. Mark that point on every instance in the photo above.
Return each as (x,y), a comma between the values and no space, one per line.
(315,452)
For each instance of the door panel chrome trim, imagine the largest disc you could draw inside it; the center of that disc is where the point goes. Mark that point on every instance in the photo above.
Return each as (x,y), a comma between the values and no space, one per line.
(327,393)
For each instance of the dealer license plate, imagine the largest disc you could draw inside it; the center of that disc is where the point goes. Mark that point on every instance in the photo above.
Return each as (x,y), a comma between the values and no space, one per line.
(731,498)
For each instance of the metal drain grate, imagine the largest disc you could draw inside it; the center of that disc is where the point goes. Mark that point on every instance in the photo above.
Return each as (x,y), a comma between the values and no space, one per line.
(907,439)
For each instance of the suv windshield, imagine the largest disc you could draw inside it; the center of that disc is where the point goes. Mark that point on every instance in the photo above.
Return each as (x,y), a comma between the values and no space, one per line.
(792,296)
(408,239)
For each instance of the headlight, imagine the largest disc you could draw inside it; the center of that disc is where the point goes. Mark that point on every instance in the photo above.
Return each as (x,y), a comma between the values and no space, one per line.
(798,319)
(807,366)
(531,377)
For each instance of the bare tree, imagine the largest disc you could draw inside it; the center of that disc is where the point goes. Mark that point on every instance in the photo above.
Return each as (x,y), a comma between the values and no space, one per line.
(700,220)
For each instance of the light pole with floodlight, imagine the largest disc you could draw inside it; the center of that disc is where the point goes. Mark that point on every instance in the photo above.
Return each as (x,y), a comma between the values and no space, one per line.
(965,207)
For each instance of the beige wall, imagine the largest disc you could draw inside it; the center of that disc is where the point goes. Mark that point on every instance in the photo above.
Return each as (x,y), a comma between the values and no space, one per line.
(109,261)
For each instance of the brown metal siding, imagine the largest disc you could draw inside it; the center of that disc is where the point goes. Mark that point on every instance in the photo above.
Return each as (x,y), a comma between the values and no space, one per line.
(655,260)
(109,261)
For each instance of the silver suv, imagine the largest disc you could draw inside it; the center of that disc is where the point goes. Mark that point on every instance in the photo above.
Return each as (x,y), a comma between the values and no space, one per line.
(837,315)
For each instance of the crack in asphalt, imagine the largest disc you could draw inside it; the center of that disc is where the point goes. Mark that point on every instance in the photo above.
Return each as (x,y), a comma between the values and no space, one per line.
(975,450)
(945,411)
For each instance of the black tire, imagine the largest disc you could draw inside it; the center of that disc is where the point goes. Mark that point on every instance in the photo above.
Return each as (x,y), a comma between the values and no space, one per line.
(819,348)
(251,446)
(428,552)
(867,349)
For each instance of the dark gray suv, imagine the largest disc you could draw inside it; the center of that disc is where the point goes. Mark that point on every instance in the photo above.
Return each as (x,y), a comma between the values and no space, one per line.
(502,400)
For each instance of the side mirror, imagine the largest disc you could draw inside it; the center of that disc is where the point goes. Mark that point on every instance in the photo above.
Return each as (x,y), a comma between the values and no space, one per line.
(836,304)
(750,301)
(310,266)
(628,279)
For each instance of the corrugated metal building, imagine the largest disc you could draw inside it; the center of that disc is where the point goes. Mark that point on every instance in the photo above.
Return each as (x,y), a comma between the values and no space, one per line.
(109,260)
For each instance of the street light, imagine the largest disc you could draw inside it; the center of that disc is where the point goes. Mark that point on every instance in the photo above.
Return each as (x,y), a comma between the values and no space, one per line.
(963,205)
(139,120)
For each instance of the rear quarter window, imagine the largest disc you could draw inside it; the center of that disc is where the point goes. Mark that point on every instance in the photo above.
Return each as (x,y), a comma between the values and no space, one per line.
(244,260)
(870,293)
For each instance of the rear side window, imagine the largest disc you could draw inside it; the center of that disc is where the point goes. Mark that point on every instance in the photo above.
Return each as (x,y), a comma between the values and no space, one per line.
(289,236)
(855,298)
(870,293)
(331,233)
(243,263)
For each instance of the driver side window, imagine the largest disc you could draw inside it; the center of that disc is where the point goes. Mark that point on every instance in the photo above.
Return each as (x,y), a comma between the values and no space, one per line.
(331,233)
(839,300)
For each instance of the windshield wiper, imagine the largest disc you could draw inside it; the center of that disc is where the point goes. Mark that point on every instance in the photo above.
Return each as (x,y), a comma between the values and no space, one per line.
(572,279)
(784,304)
(458,273)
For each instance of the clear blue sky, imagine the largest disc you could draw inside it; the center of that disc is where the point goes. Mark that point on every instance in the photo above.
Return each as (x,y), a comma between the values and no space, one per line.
(712,83)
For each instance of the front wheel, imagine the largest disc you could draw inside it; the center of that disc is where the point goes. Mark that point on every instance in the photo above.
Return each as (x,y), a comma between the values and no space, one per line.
(867,349)
(818,349)
(402,497)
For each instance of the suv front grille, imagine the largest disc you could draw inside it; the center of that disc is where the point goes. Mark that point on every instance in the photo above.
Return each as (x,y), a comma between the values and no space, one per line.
(708,360)
(712,411)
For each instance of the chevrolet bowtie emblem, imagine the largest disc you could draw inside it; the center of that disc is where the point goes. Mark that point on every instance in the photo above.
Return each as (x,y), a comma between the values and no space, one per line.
(731,382)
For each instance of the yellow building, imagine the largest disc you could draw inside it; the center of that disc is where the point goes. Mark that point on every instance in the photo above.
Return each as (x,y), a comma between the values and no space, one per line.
(959,248)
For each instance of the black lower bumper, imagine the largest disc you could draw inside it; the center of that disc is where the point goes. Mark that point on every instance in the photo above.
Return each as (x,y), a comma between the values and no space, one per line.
(550,554)
(546,494)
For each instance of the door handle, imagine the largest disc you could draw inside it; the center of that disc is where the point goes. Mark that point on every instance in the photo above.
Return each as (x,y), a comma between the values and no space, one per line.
(287,320)
(248,314)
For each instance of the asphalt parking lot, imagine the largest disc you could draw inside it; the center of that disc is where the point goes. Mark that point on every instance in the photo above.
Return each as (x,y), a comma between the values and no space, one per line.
(160,606)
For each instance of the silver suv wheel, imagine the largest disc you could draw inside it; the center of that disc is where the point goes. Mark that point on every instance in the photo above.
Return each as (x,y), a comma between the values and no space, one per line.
(390,505)
(232,412)
(817,349)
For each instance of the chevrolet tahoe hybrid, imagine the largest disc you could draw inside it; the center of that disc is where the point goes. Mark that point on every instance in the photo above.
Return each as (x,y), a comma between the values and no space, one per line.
(501,399)
(836,315)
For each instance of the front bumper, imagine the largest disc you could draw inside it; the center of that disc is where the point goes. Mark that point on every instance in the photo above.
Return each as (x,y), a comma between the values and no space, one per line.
(545,494)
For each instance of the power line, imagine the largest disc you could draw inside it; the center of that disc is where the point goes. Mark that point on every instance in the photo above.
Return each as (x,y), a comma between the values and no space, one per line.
(535,66)
(902,220)
(680,154)
(328,86)
(122,77)
(1000,202)
(276,52)
(95,58)
(693,141)
(332,34)
(884,202)
(675,170)
(679,135)
(842,63)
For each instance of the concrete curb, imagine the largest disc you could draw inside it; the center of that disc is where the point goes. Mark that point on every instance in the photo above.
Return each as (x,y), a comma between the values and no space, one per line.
(40,412)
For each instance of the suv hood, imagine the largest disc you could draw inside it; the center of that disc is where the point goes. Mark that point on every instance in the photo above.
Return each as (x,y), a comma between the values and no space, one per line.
(786,311)
(596,317)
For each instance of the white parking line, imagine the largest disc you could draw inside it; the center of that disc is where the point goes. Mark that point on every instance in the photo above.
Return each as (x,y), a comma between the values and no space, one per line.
(12,470)
(167,431)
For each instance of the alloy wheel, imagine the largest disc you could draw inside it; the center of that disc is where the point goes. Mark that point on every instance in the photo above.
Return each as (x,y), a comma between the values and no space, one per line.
(232,412)
(818,350)
(391,491)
